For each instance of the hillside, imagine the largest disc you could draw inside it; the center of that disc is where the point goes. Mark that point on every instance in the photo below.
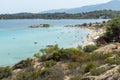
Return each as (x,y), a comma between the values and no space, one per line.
(101,14)
(66,64)
(112,5)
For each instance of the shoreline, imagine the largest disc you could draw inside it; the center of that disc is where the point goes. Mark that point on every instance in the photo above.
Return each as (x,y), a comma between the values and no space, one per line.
(94,33)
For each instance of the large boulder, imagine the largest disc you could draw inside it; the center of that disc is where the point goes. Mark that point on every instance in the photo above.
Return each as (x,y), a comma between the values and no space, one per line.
(111,74)
(107,49)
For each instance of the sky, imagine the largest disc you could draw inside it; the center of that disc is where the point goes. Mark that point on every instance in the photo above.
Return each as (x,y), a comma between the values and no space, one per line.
(34,6)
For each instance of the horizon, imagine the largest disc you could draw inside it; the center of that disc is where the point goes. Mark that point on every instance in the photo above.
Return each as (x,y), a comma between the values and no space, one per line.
(21,6)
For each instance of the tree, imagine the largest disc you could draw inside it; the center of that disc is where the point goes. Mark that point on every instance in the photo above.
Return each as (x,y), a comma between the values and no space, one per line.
(113,31)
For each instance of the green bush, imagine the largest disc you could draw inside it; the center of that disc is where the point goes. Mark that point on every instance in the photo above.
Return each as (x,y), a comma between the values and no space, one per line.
(49,63)
(89,66)
(67,54)
(111,61)
(23,64)
(98,56)
(46,25)
(78,77)
(37,55)
(73,65)
(97,72)
(5,72)
(89,48)
(47,53)
(43,72)
(84,24)
(50,49)
(118,69)
(33,75)
(113,31)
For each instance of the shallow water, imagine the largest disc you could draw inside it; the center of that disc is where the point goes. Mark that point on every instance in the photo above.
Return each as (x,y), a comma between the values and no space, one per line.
(17,41)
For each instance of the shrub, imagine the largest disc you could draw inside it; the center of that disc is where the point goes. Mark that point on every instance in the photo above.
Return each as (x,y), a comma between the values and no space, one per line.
(78,77)
(46,25)
(5,72)
(50,49)
(89,48)
(79,47)
(23,64)
(84,24)
(48,52)
(94,71)
(89,66)
(43,72)
(118,69)
(98,56)
(37,55)
(73,65)
(57,54)
(97,72)
(24,76)
(113,31)
(111,61)
(49,64)
(67,54)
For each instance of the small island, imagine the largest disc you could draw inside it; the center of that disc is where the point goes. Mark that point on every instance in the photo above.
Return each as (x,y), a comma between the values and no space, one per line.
(40,26)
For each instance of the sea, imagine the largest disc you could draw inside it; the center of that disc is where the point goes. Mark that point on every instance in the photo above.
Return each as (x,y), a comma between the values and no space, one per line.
(18,41)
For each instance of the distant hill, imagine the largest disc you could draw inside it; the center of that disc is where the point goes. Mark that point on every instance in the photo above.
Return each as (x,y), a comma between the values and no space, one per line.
(100,14)
(112,5)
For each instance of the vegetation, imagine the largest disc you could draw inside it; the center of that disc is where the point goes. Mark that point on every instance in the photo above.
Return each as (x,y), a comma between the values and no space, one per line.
(89,66)
(96,72)
(40,26)
(49,63)
(23,64)
(119,69)
(96,25)
(103,14)
(56,63)
(89,48)
(113,31)
(5,72)
(112,61)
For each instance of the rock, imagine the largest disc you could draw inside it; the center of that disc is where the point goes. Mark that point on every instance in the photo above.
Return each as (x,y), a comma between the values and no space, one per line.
(40,26)
(106,49)
(89,78)
(111,74)
(118,45)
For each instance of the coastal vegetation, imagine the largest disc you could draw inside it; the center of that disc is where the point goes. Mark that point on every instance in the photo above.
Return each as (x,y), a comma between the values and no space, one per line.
(101,14)
(113,31)
(55,63)
(5,72)
(90,48)
(40,26)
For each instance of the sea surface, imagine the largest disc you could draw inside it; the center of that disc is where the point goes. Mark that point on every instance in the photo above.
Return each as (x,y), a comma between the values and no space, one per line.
(18,41)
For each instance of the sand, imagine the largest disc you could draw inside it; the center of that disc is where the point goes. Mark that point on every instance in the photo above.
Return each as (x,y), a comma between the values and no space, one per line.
(94,33)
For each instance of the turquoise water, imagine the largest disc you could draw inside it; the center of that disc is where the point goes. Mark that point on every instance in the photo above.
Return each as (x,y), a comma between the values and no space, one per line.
(17,41)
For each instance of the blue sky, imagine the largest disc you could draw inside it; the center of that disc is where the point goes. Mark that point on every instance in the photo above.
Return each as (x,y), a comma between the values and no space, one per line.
(16,6)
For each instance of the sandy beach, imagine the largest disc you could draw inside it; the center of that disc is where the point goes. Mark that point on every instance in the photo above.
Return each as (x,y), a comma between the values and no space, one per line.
(94,33)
